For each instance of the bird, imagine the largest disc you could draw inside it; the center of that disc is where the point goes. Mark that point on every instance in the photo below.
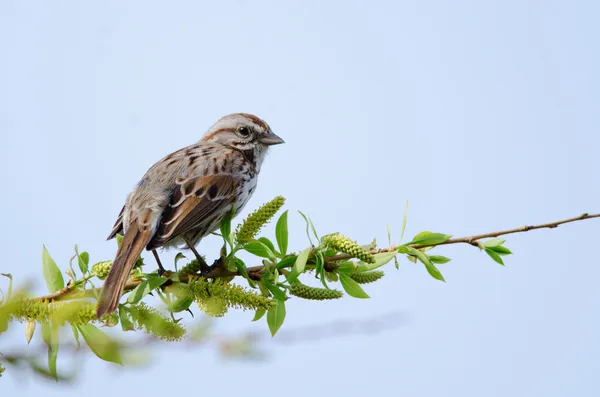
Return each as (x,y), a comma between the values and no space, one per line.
(185,195)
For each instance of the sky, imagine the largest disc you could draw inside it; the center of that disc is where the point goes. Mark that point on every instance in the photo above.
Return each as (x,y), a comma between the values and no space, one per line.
(483,115)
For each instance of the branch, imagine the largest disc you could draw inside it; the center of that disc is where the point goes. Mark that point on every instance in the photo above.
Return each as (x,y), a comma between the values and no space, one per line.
(255,272)
(474,240)
(72,292)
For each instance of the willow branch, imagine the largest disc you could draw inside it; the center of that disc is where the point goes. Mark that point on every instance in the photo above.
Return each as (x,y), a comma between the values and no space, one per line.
(71,291)
(474,240)
(255,272)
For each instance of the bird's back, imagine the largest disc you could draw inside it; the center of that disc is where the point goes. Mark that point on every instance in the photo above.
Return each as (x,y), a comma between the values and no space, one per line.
(202,182)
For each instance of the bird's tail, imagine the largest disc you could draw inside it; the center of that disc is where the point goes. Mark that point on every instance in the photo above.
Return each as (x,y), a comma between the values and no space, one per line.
(132,245)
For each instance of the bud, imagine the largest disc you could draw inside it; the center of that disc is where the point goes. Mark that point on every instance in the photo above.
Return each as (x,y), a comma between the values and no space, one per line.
(101,269)
(29,330)
(192,267)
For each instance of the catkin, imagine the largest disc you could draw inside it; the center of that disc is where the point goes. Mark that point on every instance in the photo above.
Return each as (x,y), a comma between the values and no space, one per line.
(343,244)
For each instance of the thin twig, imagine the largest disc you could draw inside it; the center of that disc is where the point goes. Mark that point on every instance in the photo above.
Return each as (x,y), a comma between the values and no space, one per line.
(473,240)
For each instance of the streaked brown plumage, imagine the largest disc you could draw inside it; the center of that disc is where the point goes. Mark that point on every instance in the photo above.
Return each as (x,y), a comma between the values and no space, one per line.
(184,196)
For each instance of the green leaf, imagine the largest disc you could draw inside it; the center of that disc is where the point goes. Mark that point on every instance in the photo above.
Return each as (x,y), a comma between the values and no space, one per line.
(281,233)
(76,335)
(181,303)
(259,314)
(380,260)
(225,227)
(493,243)
(145,288)
(177,258)
(83,260)
(404,221)
(50,336)
(259,249)
(44,373)
(368,247)
(500,250)
(278,294)
(286,262)
(431,269)
(494,256)
(241,268)
(276,316)
(403,249)
(124,317)
(421,235)
(352,288)
(312,227)
(100,344)
(164,298)
(347,267)
(300,263)
(10,286)
(119,239)
(439,259)
(428,238)
(332,277)
(268,243)
(52,275)
(434,272)
(307,227)
(320,268)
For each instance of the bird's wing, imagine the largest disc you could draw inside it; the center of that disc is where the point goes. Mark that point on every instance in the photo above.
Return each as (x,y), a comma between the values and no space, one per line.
(195,203)
(118,227)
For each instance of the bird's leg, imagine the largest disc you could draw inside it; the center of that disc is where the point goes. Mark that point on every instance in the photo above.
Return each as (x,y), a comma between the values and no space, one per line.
(161,269)
(203,266)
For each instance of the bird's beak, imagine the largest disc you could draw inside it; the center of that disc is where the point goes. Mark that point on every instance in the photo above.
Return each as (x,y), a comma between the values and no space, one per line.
(271,139)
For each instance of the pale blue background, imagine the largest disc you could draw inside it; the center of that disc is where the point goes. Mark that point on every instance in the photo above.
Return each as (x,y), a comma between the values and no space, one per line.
(483,114)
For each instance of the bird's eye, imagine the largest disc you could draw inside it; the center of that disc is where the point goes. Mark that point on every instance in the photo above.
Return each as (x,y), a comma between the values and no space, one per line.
(244,131)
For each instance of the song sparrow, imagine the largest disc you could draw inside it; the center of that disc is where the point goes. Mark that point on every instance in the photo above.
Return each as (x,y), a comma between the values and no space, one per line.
(184,196)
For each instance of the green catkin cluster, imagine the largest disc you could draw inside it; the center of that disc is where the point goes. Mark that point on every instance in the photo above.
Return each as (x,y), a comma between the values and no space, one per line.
(367,277)
(191,268)
(232,295)
(59,313)
(248,229)
(101,269)
(319,294)
(152,322)
(343,244)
